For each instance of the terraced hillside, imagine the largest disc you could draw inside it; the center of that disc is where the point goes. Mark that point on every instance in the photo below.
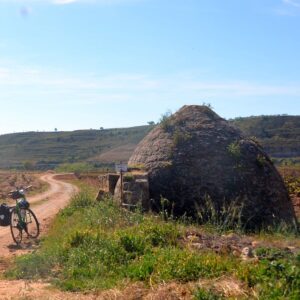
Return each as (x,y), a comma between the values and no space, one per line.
(46,150)
(280,135)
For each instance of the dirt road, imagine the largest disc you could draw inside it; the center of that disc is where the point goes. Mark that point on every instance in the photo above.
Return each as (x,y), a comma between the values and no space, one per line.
(45,206)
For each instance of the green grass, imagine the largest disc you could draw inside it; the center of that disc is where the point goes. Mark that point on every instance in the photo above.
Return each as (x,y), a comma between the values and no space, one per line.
(202,294)
(97,245)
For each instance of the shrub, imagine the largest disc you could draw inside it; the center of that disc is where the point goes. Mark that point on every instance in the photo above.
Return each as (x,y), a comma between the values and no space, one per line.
(234,150)
(179,137)
(166,122)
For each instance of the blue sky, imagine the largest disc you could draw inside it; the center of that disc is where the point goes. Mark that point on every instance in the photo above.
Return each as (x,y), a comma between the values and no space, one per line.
(115,63)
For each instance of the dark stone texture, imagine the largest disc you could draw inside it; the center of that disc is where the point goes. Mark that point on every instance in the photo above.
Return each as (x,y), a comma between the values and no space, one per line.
(196,154)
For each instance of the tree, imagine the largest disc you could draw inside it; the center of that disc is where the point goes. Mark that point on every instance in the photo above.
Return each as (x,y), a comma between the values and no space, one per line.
(151,123)
(28,165)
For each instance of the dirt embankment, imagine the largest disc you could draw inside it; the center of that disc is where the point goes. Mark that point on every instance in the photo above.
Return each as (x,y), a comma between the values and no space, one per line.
(10,180)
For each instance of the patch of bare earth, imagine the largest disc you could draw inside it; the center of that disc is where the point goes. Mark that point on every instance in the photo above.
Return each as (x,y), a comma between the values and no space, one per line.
(227,287)
(234,244)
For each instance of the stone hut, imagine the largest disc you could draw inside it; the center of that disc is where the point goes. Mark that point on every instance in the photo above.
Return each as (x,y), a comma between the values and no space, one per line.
(195,156)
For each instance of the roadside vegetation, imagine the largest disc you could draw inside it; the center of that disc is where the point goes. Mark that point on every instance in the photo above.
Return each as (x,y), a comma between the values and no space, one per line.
(96,246)
(83,167)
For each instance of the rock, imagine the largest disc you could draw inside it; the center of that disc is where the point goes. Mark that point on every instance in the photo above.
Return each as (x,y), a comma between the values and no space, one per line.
(247,253)
(107,182)
(101,195)
(255,244)
(198,161)
(193,238)
(135,191)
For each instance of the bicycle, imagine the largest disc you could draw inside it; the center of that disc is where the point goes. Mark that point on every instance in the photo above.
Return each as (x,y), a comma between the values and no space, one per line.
(22,218)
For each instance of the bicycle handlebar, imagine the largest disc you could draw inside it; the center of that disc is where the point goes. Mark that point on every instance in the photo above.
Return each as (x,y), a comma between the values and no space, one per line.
(19,189)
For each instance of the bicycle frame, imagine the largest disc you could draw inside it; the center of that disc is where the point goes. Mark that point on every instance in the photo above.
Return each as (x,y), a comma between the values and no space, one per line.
(21,217)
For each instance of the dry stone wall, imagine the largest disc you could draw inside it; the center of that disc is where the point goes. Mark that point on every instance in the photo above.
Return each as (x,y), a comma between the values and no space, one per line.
(196,155)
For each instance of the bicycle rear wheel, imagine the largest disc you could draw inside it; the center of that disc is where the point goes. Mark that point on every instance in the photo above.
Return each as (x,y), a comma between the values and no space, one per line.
(32,226)
(16,227)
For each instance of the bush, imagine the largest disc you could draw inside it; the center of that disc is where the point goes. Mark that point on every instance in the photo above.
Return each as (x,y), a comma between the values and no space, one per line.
(166,122)
(180,137)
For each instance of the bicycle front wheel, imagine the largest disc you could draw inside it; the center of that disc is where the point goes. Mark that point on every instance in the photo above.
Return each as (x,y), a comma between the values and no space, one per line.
(32,226)
(16,226)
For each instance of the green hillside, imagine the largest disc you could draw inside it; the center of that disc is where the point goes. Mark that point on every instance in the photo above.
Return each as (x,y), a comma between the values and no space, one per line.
(280,136)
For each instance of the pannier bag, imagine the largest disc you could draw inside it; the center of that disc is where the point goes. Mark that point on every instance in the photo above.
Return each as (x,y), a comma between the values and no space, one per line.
(4,215)
(23,203)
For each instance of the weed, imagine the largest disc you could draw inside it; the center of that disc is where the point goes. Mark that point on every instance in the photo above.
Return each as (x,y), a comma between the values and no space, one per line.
(180,137)
(277,276)
(139,166)
(128,177)
(272,254)
(166,122)
(202,294)
(228,216)
(261,160)
(207,105)
(234,150)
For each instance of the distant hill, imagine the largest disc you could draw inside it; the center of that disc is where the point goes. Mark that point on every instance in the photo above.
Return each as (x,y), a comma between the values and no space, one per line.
(46,150)
(280,136)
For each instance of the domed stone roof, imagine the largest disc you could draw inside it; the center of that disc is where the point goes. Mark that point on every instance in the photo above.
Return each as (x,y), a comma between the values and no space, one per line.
(195,155)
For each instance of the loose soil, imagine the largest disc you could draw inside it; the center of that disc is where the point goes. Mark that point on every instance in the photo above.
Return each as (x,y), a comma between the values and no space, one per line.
(10,180)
